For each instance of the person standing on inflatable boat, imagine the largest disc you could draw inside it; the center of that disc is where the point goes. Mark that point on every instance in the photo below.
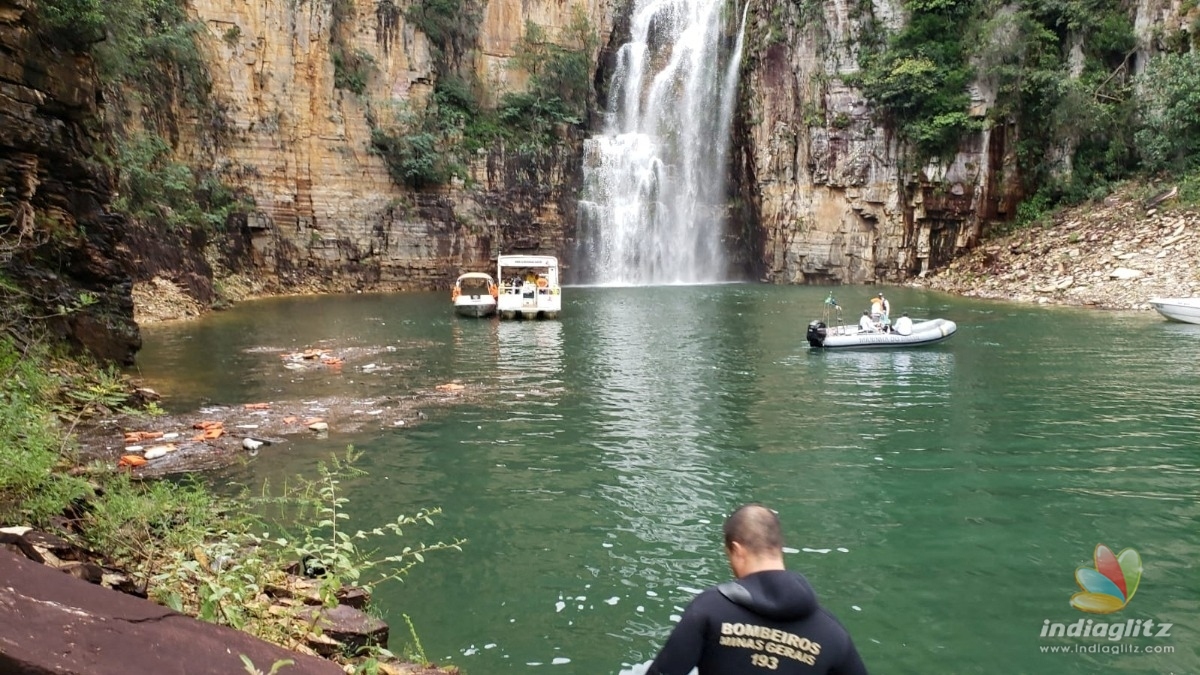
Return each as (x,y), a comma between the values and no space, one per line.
(767,621)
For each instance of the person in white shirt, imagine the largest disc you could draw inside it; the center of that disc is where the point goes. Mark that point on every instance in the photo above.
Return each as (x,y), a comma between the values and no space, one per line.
(865,324)
(903,325)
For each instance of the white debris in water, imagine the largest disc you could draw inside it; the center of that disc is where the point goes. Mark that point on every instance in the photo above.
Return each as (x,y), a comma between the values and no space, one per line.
(675,618)
(612,601)
(789,549)
(398,423)
(560,660)
(559,606)
(490,645)
(878,459)
(843,550)
(856,608)
(581,597)
(652,594)
(641,608)
(815,550)
(689,589)
(579,607)
(470,651)
(533,663)
(606,545)
(705,521)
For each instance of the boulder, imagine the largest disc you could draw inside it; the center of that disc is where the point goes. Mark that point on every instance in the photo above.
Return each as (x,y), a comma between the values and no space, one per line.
(50,623)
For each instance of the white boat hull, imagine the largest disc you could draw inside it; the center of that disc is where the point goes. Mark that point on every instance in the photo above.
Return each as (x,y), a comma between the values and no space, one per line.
(476,307)
(1183,310)
(923,333)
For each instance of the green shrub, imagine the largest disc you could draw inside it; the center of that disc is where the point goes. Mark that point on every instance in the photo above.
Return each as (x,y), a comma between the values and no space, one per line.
(156,189)
(32,444)
(412,159)
(1169,138)
(76,23)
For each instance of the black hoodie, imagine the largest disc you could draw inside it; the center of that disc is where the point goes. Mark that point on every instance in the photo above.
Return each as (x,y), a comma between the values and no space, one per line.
(767,622)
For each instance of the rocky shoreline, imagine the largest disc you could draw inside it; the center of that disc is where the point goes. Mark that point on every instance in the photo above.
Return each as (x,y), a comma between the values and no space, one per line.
(1113,255)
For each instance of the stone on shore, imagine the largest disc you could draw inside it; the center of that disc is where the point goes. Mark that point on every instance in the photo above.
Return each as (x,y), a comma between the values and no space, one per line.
(51,623)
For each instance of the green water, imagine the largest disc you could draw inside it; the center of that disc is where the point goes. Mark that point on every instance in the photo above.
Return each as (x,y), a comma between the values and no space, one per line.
(938,499)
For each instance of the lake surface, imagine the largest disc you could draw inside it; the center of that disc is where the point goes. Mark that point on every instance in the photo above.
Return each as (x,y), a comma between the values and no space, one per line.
(939,499)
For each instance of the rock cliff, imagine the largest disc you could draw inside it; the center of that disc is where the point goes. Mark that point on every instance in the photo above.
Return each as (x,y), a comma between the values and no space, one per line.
(327,212)
(836,196)
(828,193)
(59,244)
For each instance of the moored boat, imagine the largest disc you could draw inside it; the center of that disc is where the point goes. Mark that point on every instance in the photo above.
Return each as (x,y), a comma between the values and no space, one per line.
(533,291)
(932,331)
(474,295)
(1183,310)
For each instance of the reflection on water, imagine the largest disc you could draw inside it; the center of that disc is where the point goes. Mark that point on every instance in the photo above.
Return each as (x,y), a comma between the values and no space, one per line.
(652,368)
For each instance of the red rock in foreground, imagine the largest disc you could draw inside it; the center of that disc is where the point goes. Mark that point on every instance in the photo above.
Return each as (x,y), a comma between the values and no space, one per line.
(51,622)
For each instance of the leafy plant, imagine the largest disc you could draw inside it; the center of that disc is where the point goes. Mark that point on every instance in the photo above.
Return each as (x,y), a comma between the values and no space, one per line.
(224,578)
(275,667)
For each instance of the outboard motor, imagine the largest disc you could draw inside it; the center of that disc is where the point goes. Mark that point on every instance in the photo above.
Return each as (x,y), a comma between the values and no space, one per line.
(816,333)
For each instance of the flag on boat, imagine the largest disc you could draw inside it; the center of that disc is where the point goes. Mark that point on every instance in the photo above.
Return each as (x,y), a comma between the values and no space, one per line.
(830,301)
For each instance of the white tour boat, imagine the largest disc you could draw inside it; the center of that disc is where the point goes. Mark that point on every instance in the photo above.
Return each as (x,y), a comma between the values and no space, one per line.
(1184,310)
(474,294)
(529,287)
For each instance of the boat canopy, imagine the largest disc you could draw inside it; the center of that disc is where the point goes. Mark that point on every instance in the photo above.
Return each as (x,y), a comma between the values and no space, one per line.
(527,261)
(530,263)
(475,275)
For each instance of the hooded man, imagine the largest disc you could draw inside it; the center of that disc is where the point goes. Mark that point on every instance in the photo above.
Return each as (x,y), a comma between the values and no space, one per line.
(768,620)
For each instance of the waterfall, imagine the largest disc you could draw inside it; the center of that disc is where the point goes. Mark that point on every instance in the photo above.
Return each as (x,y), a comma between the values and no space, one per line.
(653,210)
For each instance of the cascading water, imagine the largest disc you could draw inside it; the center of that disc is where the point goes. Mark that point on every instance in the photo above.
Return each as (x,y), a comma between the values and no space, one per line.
(654,181)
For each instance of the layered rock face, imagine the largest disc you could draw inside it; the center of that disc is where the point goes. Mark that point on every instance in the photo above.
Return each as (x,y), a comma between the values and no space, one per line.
(327,211)
(57,241)
(834,200)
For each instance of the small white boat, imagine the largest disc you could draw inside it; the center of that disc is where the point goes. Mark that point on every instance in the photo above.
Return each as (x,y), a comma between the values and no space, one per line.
(474,294)
(1184,310)
(923,333)
(528,287)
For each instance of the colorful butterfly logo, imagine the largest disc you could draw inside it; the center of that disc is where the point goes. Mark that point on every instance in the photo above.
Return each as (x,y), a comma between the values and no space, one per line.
(1111,585)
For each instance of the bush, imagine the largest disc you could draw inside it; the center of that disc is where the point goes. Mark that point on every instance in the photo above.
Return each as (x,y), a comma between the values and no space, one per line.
(157,190)
(412,159)
(1169,138)
(32,443)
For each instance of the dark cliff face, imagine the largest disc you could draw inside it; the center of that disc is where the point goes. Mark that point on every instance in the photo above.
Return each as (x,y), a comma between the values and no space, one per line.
(58,244)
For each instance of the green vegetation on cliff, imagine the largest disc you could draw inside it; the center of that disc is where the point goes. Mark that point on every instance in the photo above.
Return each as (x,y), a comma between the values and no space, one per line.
(155,81)
(431,146)
(1062,77)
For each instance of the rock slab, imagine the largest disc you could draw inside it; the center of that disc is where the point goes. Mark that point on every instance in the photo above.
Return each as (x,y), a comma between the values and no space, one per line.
(52,623)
